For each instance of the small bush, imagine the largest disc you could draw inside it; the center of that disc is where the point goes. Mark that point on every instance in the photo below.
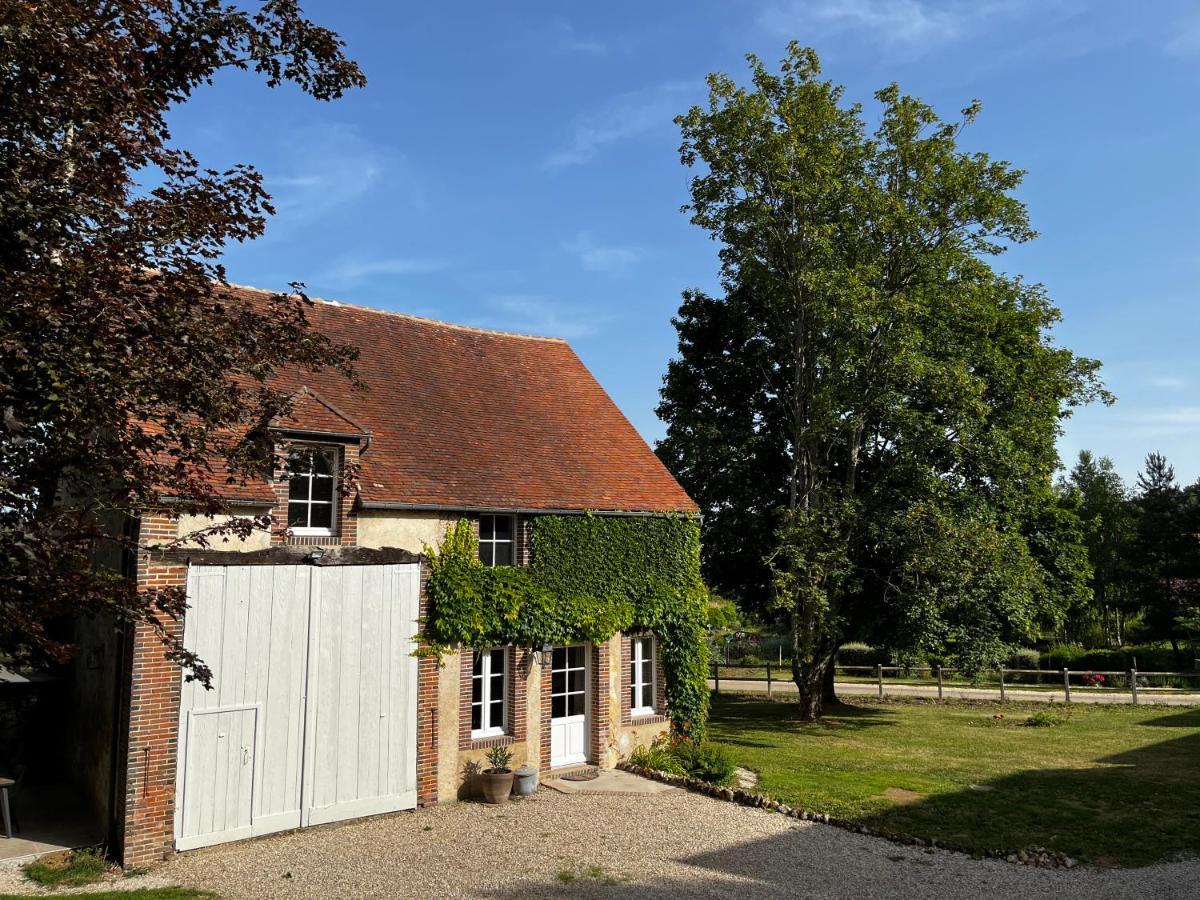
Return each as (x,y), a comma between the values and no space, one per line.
(658,756)
(1024,659)
(710,763)
(681,756)
(67,870)
(856,654)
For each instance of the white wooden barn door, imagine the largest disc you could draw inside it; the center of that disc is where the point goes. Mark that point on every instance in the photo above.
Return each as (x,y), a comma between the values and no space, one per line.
(312,712)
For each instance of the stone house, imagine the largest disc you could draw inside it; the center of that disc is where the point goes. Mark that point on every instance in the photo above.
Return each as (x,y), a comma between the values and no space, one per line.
(319,710)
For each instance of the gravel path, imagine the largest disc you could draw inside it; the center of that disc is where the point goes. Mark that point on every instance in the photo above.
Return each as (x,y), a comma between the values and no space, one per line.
(674,844)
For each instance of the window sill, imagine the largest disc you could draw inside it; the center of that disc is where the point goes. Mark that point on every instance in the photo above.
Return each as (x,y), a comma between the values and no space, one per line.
(487,742)
(646,718)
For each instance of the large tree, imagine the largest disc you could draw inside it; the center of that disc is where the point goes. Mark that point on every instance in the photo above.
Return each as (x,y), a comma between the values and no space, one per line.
(868,415)
(1165,552)
(127,374)
(1107,515)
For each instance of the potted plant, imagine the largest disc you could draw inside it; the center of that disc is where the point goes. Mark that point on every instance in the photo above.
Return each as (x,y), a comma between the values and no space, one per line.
(497,780)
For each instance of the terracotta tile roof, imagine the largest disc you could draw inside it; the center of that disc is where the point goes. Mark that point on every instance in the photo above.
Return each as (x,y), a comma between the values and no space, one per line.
(311,412)
(465,418)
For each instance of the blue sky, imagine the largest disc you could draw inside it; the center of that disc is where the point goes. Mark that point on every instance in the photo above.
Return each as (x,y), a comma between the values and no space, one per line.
(515,166)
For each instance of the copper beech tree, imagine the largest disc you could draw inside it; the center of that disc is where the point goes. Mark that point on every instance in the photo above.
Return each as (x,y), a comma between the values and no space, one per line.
(127,375)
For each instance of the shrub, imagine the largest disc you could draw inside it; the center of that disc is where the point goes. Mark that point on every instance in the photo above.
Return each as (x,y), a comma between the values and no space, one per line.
(856,654)
(682,756)
(1024,658)
(708,762)
(658,756)
(499,758)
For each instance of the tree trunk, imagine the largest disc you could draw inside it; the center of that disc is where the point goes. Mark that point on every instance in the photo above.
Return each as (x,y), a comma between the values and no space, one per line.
(828,688)
(813,674)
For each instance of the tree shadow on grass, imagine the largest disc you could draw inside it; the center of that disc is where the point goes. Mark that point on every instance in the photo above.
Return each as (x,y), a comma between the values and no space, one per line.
(1131,808)
(738,716)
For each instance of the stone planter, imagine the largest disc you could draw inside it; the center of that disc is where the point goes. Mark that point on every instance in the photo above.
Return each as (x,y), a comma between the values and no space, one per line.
(497,785)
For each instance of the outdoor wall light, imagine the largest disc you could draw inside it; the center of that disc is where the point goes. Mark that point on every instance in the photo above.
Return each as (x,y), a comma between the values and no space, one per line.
(543,655)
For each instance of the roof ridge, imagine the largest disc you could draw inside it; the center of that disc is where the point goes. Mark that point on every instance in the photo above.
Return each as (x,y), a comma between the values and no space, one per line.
(402,315)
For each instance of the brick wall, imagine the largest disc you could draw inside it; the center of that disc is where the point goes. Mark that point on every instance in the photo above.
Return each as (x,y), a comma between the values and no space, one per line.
(427,712)
(660,684)
(346,521)
(601,718)
(150,743)
(518,662)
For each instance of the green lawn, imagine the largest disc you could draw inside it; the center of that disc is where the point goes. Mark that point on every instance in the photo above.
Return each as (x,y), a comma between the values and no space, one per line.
(1112,785)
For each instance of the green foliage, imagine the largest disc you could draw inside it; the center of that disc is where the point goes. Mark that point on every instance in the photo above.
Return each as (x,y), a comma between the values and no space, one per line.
(499,758)
(590,577)
(657,756)
(127,372)
(868,415)
(683,756)
(722,614)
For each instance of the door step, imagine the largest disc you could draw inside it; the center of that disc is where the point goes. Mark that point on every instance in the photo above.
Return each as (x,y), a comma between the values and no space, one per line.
(575,773)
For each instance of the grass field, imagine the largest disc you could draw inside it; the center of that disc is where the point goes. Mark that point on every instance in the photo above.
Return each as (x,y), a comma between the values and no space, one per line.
(1113,785)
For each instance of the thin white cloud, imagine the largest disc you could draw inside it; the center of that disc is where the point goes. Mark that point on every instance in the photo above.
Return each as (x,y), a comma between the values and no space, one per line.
(537,314)
(350,272)
(331,166)
(605,259)
(911,24)
(623,118)
(1167,382)
(1185,42)
(565,38)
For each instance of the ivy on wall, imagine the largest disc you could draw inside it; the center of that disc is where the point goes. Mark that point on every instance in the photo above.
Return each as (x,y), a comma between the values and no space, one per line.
(590,577)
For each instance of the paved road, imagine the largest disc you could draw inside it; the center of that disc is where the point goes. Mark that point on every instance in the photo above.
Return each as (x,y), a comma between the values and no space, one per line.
(860,689)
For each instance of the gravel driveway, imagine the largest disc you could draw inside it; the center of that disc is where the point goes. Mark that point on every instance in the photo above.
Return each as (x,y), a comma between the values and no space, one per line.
(674,844)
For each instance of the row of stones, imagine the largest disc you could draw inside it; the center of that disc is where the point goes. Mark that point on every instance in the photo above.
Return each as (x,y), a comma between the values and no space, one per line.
(1032,856)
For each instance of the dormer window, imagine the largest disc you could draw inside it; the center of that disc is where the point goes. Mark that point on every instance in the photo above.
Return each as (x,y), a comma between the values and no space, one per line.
(311,490)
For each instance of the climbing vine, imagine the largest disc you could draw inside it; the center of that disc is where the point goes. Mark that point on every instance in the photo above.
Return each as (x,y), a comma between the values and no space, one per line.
(590,577)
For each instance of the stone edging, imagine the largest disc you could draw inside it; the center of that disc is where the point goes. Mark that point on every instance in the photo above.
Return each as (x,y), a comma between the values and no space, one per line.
(1031,856)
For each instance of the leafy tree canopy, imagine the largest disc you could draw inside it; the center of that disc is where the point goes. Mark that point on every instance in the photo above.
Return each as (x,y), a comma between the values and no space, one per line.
(126,374)
(868,414)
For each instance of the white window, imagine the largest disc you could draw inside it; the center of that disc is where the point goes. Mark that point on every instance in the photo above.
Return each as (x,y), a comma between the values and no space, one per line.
(496,540)
(641,676)
(487,693)
(311,490)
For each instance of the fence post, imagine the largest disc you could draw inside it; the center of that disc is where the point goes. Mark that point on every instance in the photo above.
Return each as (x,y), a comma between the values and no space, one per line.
(879,672)
(939,673)
(716,678)
(1133,683)
(1067,685)
(768,681)
(1002,684)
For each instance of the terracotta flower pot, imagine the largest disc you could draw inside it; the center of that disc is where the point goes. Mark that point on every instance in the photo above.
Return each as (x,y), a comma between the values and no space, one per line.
(497,785)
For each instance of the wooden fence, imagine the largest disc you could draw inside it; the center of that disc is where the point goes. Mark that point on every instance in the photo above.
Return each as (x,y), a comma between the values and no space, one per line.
(1107,683)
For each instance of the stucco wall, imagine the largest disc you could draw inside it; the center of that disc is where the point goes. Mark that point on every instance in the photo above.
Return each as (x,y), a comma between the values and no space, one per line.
(453,761)
(260,539)
(403,529)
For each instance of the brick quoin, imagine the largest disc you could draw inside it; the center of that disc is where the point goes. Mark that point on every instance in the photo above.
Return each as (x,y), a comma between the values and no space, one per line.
(599,701)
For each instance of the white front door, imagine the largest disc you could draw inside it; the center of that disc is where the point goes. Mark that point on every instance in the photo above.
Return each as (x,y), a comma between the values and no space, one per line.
(568,706)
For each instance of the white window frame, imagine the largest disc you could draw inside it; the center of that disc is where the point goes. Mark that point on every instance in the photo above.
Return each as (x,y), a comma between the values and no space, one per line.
(331,453)
(511,541)
(488,728)
(637,687)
